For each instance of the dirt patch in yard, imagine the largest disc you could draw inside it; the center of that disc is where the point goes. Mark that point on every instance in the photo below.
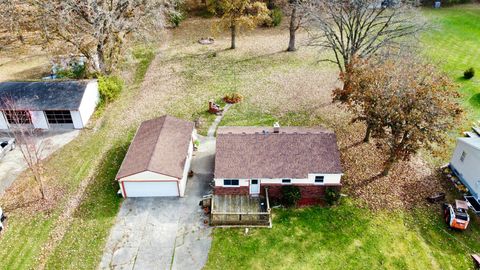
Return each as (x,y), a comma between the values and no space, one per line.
(31,63)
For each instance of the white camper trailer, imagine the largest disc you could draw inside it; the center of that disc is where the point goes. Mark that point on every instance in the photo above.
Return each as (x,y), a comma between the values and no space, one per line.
(465,164)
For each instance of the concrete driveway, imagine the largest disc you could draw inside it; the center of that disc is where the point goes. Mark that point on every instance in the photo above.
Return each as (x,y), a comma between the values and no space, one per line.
(164,233)
(13,163)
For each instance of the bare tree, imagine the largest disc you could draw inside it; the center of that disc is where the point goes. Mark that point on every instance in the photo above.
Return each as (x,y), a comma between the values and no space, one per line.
(16,19)
(99,28)
(297,19)
(360,28)
(30,143)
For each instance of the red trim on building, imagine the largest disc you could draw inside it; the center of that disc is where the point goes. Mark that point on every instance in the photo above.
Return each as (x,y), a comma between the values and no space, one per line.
(243,190)
(149,181)
(124,191)
(134,181)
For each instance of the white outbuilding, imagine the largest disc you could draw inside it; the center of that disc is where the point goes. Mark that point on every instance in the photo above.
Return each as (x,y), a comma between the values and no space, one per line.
(48,104)
(158,159)
(465,163)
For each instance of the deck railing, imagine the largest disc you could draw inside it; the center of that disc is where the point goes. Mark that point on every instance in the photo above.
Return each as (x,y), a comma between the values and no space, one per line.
(241,218)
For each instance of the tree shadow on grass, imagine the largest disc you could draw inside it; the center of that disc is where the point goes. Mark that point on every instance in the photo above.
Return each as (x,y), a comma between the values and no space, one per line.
(353,145)
(36,73)
(101,198)
(363,184)
(215,53)
(475,100)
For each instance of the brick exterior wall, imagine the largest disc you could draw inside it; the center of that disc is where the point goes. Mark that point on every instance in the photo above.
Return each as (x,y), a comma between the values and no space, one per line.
(231,191)
(275,191)
(307,191)
(311,194)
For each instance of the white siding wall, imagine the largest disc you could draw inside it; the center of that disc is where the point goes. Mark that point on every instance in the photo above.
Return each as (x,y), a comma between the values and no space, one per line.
(186,169)
(89,102)
(147,176)
(77,119)
(3,121)
(469,169)
(330,179)
(242,182)
(39,120)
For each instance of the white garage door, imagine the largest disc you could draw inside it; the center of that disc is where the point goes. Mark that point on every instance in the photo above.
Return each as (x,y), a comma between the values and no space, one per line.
(151,189)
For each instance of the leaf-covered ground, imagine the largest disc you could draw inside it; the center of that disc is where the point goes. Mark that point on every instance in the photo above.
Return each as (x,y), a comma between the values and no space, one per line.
(293,88)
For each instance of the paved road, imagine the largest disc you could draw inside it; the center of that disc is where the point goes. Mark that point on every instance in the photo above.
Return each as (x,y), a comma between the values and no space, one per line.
(13,164)
(164,233)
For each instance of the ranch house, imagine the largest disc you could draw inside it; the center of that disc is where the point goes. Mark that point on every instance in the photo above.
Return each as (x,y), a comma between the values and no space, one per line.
(250,159)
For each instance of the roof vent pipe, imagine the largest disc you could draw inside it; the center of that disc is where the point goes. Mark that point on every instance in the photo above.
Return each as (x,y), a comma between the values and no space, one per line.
(276,127)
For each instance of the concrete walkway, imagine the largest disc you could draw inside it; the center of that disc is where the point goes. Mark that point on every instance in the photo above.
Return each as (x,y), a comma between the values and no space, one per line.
(166,233)
(213,128)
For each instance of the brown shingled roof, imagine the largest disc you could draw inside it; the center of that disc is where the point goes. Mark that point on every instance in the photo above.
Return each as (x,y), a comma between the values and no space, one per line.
(249,152)
(160,145)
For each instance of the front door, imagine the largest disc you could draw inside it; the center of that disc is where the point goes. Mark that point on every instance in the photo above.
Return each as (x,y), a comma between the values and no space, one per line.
(254,187)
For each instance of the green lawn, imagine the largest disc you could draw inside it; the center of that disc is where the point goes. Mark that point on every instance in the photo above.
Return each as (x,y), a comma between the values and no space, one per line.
(293,88)
(345,237)
(454,42)
(82,246)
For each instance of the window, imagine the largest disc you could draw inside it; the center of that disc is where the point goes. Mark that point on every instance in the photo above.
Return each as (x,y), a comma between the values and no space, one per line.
(18,117)
(230,182)
(254,182)
(463,156)
(319,179)
(286,181)
(59,117)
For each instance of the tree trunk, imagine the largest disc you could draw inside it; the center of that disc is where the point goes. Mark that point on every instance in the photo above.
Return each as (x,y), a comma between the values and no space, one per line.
(233,29)
(367,134)
(388,165)
(101,59)
(40,185)
(293,29)
(96,60)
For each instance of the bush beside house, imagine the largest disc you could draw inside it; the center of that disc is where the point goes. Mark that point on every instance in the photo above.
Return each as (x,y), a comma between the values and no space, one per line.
(110,88)
(290,195)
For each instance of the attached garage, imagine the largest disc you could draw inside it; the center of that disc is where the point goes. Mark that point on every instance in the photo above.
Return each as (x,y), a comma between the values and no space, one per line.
(158,159)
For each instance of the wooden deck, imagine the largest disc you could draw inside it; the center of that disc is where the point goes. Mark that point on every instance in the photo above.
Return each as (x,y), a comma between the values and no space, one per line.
(240,210)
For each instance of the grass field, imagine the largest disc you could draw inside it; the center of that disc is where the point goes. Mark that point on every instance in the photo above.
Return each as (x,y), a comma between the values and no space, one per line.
(345,237)
(293,88)
(95,154)
(453,43)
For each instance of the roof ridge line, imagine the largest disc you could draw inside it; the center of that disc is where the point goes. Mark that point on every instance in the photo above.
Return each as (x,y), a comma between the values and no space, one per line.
(156,142)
